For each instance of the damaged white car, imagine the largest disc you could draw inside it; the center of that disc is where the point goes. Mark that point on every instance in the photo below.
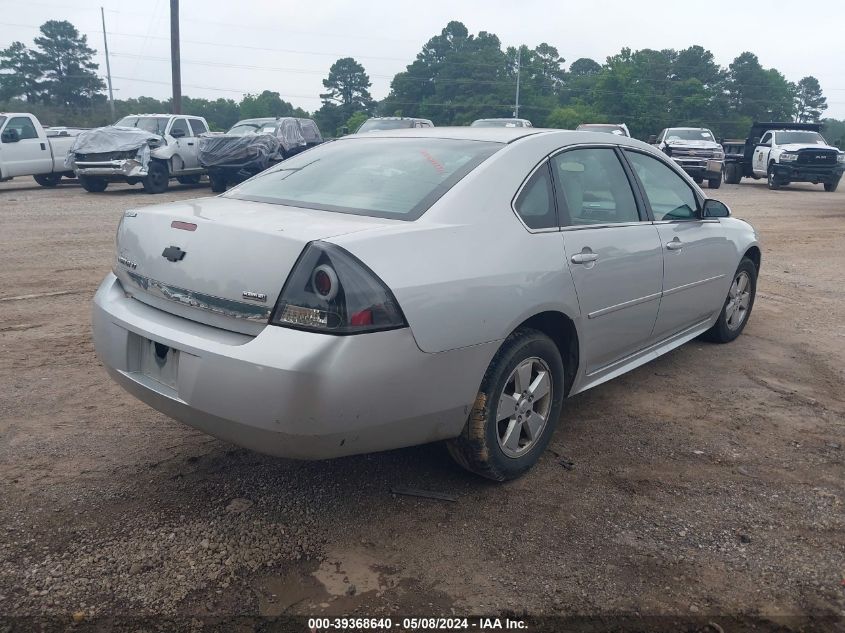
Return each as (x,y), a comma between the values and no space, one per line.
(149,149)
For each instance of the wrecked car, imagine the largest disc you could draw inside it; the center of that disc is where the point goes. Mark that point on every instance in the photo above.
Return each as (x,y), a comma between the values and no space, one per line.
(149,149)
(253,145)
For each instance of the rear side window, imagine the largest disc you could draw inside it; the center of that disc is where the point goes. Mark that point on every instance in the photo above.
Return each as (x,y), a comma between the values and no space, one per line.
(375,175)
(535,204)
(669,196)
(593,188)
(198,127)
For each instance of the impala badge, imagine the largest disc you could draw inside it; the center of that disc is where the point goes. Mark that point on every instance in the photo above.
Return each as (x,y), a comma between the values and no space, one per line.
(127,262)
(254,296)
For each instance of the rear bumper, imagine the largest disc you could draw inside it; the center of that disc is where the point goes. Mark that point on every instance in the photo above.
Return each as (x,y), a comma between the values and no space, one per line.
(807,173)
(290,393)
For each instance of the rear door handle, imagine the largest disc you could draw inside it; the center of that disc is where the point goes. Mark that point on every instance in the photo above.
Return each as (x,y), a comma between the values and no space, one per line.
(674,245)
(190,143)
(583,258)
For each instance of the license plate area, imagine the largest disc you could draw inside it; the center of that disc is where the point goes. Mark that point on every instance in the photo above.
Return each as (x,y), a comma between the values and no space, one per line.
(158,362)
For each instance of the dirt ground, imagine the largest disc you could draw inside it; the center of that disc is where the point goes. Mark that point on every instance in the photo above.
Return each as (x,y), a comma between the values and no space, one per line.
(707,484)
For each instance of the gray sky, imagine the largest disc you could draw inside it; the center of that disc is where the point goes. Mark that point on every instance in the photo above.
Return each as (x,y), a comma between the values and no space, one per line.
(236,46)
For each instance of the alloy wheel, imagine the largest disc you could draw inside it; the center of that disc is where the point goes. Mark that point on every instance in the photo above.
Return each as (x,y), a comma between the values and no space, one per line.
(739,299)
(524,407)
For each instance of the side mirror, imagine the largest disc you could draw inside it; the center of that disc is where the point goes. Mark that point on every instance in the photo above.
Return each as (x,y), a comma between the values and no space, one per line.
(652,140)
(11,136)
(715,209)
(177,133)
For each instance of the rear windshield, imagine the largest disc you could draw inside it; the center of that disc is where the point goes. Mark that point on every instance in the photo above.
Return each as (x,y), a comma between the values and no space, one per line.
(385,124)
(809,138)
(607,129)
(382,177)
(154,124)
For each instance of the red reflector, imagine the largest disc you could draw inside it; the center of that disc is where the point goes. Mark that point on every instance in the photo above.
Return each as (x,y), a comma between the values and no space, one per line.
(185,226)
(364,317)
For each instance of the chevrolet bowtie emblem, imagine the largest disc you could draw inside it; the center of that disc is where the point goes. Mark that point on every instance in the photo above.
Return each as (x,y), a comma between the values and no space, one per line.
(173,253)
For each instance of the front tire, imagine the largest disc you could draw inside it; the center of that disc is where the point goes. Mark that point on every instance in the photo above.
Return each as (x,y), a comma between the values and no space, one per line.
(715,183)
(738,305)
(218,183)
(157,179)
(772,179)
(516,409)
(831,186)
(93,185)
(47,180)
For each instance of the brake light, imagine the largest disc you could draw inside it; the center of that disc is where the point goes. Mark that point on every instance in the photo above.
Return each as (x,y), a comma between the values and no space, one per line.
(329,290)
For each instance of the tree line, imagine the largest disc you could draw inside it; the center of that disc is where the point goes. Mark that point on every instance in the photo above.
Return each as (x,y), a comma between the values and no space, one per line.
(455,78)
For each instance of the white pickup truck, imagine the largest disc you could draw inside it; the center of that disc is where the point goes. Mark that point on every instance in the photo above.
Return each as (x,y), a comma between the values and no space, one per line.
(28,149)
(141,148)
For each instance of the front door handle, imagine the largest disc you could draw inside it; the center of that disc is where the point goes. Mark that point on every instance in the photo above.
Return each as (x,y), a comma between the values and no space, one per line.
(584,257)
(674,245)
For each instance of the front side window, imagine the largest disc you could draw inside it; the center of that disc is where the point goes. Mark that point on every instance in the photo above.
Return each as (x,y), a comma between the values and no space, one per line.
(767,139)
(535,204)
(180,125)
(670,197)
(24,127)
(593,188)
(377,176)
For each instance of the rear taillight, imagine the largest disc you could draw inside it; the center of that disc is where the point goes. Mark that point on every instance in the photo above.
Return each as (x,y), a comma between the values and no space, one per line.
(331,291)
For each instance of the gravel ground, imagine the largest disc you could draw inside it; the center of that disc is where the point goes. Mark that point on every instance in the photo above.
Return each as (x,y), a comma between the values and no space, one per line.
(706,484)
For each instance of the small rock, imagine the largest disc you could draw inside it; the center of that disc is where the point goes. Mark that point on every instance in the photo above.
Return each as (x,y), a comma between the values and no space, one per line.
(236,506)
(78,616)
(351,590)
(744,539)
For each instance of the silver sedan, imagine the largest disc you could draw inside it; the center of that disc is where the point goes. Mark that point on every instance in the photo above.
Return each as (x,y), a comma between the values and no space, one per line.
(420,285)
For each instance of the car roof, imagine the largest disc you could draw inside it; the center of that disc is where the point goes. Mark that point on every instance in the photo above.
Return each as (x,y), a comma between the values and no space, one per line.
(187,116)
(687,128)
(502,135)
(397,118)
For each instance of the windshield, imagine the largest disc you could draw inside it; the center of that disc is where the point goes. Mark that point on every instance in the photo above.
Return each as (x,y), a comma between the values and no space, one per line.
(242,129)
(378,176)
(385,124)
(496,123)
(698,134)
(607,129)
(807,138)
(154,124)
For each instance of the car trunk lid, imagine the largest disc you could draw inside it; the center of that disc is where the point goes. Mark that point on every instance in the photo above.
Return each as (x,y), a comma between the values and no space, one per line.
(220,261)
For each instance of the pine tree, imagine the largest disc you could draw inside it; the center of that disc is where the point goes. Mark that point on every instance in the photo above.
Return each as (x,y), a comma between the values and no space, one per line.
(809,100)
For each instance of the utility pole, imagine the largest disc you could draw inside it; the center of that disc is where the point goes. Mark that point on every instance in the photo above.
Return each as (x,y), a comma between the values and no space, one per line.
(175,61)
(518,64)
(108,65)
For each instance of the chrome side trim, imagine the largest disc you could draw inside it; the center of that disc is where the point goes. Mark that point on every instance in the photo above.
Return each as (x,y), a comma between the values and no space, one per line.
(201,301)
(622,306)
(691,285)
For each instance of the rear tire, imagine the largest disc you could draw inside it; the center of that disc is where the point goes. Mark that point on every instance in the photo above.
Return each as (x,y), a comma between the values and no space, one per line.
(218,183)
(733,175)
(738,305)
(516,409)
(47,180)
(157,179)
(714,183)
(772,180)
(831,186)
(92,184)
(189,180)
